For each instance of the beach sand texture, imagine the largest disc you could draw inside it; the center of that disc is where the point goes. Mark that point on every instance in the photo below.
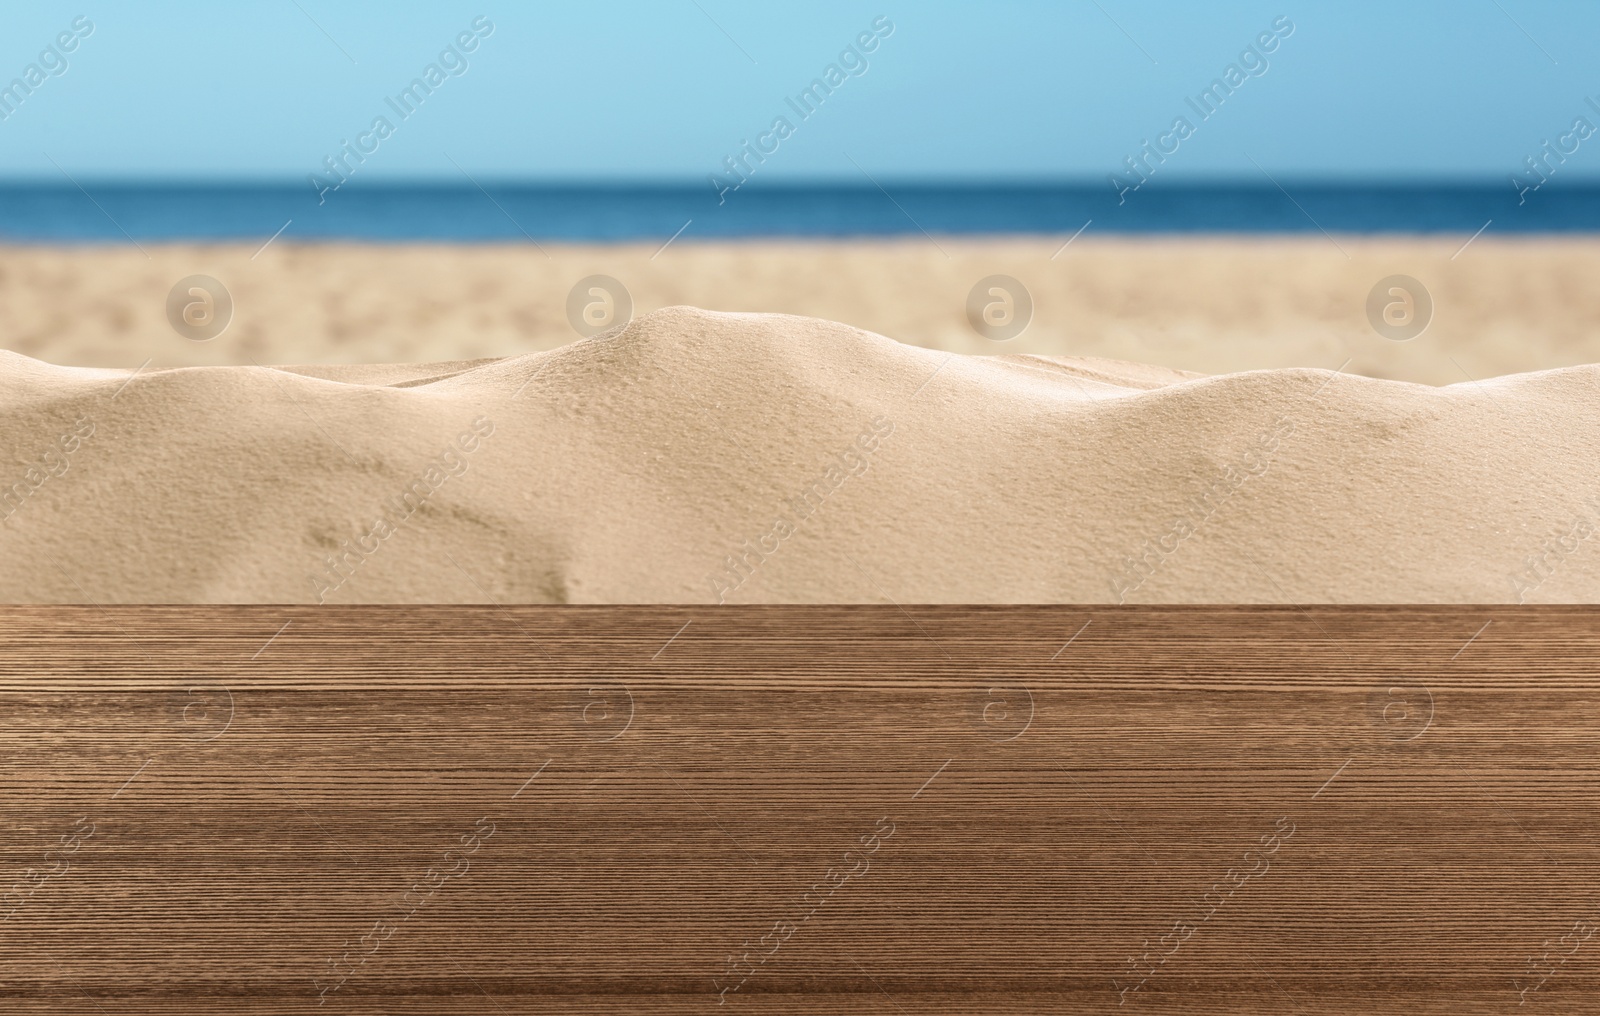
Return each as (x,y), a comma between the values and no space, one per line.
(698,457)
(1213,305)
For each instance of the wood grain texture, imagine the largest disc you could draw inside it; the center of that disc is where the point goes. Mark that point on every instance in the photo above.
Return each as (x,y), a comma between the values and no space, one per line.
(1264,809)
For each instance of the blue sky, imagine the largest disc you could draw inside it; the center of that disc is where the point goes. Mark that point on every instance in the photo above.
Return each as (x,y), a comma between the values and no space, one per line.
(598,90)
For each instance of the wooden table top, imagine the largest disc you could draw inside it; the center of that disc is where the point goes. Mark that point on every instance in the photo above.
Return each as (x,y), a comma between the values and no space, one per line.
(800,810)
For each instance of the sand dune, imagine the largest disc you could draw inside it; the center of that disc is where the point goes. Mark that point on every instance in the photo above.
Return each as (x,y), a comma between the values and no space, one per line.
(703,457)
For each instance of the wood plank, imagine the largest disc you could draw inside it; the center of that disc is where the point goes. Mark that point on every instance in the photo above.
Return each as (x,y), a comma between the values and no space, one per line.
(1023,810)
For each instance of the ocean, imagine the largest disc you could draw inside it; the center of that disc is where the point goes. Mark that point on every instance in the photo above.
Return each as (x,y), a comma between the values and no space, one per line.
(101,211)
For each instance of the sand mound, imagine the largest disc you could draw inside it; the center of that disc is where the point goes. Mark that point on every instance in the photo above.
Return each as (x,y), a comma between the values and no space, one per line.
(698,457)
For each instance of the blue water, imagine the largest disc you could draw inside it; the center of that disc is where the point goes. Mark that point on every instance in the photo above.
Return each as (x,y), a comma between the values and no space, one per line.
(101,211)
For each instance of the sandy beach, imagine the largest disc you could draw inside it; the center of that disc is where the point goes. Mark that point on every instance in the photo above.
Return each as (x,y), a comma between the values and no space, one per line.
(705,457)
(1209,305)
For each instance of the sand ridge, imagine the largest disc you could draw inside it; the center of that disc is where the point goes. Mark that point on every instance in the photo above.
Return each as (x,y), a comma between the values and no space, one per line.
(660,463)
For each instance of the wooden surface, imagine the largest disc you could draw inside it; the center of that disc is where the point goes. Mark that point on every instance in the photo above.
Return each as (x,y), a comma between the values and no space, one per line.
(1238,810)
